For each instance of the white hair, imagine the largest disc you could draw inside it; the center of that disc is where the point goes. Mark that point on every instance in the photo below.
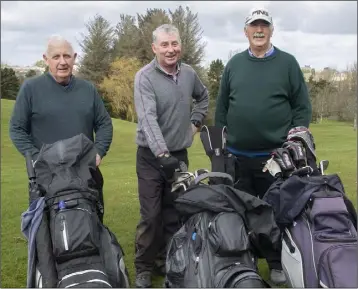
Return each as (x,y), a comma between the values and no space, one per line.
(166,28)
(55,40)
(270,26)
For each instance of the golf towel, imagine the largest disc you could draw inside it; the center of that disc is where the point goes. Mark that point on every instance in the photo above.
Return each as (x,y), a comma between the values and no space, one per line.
(30,222)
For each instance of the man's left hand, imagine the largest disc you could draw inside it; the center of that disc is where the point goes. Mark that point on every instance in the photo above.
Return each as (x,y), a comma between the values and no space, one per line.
(98,160)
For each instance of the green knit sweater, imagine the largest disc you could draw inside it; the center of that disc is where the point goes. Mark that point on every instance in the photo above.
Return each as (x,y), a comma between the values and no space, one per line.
(46,112)
(260,99)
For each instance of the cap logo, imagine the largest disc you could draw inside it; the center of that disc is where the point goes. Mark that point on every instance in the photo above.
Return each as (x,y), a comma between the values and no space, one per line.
(258,12)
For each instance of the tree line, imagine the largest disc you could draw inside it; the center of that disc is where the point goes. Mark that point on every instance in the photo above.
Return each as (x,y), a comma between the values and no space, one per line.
(111,55)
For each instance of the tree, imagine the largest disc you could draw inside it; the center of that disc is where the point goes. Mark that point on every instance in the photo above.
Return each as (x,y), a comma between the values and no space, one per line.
(97,50)
(10,84)
(118,88)
(127,37)
(346,100)
(147,23)
(30,73)
(193,49)
(322,94)
(214,77)
(40,63)
(136,39)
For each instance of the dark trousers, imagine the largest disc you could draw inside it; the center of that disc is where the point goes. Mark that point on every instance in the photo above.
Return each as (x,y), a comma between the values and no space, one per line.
(159,220)
(250,178)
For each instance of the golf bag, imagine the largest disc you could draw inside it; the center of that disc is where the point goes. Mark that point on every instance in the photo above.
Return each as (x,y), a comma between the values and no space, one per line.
(318,224)
(226,230)
(214,142)
(73,248)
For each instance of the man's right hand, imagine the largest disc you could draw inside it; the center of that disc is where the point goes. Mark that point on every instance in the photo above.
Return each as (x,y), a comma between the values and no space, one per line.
(169,164)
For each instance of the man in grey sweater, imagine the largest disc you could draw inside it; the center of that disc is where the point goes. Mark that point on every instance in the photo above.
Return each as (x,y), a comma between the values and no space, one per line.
(164,91)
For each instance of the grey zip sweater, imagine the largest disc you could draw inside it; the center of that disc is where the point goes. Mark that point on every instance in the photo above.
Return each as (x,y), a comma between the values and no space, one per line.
(164,107)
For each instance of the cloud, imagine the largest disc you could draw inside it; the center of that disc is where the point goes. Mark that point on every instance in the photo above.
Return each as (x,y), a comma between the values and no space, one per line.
(316,17)
(316,33)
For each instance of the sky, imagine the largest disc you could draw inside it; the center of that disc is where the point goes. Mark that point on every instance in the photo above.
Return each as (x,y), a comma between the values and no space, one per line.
(319,34)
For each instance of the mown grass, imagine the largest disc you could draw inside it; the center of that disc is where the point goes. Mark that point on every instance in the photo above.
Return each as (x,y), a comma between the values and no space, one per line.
(335,141)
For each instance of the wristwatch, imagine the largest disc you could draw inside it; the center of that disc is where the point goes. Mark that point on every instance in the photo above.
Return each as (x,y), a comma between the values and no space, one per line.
(196,123)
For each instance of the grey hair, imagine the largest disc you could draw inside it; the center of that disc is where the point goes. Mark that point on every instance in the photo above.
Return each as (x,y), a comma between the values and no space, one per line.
(270,26)
(166,28)
(57,39)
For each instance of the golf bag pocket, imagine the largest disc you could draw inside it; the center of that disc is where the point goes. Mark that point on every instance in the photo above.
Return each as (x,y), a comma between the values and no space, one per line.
(177,259)
(74,233)
(331,220)
(291,260)
(227,235)
(113,259)
(337,266)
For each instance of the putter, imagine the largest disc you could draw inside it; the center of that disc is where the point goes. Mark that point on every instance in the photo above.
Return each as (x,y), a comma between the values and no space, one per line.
(323,165)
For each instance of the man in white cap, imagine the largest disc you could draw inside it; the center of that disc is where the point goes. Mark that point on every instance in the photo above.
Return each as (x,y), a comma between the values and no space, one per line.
(262,97)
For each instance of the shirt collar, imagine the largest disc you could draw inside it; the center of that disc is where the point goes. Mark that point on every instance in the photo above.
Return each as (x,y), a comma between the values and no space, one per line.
(161,68)
(267,53)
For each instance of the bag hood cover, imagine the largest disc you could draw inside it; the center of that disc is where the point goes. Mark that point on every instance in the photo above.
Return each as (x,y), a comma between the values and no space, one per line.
(66,165)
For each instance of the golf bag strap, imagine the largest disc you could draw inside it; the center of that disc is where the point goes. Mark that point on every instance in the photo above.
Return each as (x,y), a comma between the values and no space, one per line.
(213,175)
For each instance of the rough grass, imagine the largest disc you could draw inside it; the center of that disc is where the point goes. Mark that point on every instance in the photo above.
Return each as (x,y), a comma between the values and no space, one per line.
(335,142)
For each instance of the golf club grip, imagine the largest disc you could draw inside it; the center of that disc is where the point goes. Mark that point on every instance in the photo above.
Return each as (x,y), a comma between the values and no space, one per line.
(183,167)
(213,175)
(29,166)
(303,171)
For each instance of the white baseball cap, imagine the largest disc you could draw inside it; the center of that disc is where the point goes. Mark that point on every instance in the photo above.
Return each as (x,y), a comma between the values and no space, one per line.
(258,14)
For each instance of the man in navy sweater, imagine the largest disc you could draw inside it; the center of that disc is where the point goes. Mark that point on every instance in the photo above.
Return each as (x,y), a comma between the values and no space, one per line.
(57,105)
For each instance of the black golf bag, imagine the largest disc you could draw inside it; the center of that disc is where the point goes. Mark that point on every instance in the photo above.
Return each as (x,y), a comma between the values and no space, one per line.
(318,224)
(73,248)
(224,230)
(214,142)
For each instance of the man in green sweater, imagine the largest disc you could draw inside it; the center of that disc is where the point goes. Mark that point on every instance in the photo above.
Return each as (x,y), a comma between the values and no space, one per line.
(262,97)
(57,105)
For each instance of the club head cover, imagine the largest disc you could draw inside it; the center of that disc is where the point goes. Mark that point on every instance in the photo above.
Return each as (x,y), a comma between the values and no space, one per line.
(304,136)
(283,158)
(297,153)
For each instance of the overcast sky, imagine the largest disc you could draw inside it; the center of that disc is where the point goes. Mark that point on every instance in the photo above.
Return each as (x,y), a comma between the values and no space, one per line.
(318,33)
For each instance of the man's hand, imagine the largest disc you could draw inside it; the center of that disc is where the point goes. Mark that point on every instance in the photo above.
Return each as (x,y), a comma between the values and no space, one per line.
(169,164)
(98,160)
(194,128)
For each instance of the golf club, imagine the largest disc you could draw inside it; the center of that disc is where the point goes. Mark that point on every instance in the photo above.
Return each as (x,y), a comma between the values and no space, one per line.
(323,165)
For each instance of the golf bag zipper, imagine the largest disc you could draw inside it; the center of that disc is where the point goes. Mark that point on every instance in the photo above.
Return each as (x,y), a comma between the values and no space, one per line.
(310,231)
(64,232)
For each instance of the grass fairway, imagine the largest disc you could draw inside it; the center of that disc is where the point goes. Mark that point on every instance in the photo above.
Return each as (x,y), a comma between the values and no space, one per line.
(336,142)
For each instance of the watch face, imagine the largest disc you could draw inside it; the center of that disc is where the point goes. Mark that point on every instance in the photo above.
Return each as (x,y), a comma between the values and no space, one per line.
(196,123)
